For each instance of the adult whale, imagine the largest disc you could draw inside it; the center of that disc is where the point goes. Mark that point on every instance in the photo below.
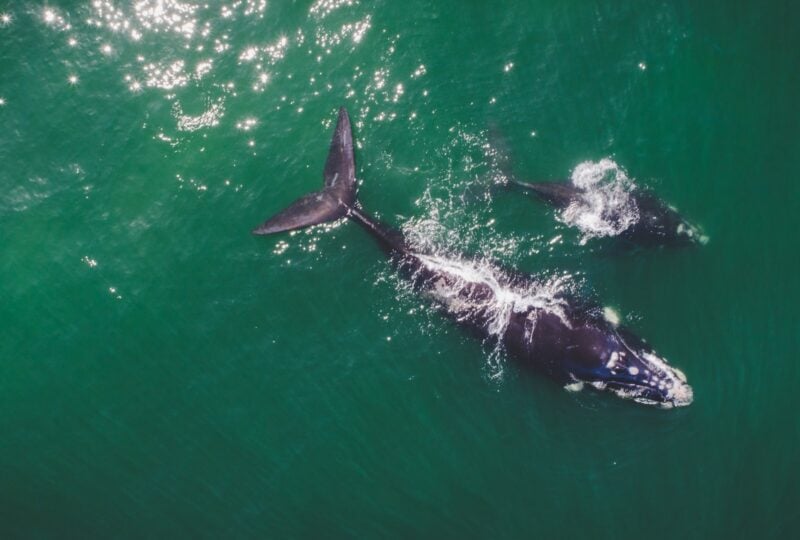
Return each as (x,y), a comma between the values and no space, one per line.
(570,342)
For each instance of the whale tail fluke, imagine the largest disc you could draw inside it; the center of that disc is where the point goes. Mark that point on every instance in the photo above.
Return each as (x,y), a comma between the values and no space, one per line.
(336,197)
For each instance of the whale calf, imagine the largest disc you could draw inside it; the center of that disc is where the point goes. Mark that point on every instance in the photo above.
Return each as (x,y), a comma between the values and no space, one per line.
(543,329)
(600,200)
(651,221)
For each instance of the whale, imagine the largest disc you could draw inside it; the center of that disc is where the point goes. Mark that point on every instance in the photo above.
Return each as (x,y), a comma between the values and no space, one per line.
(635,216)
(656,223)
(545,329)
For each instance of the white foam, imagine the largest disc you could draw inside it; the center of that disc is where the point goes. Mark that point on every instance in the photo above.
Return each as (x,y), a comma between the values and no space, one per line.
(606,207)
(503,299)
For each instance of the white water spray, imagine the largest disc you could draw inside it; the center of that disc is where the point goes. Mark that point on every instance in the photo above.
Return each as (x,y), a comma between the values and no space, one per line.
(606,207)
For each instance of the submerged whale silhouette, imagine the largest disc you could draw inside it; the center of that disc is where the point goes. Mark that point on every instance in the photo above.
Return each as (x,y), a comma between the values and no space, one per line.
(566,340)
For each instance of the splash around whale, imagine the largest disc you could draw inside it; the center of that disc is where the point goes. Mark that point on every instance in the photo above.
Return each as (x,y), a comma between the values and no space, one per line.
(605,202)
(537,323)
(601,200)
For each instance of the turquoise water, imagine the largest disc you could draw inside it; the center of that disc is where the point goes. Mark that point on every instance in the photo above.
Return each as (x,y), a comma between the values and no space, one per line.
(164,373)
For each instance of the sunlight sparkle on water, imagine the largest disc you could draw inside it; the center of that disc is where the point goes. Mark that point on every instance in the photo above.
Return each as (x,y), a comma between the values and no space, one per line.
(5,19)
(355,31)
(73,79)
(249,54)
(172,15)
(164,76)
(203,68)
(91,263)
(2,102)
(133,85)
(208,118)
(247,124)
(321,8)
(252,7)
(53,19)
(398,92)
(147,15)
(255,7)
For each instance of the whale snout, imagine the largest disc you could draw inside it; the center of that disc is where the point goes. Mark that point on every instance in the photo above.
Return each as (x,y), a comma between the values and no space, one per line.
(652,381)
(682,395)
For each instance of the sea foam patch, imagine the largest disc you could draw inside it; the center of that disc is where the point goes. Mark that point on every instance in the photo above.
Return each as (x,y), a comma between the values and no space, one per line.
(605,207)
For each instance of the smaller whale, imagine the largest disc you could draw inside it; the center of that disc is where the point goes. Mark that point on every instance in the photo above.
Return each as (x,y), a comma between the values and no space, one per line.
(655,224)
(601,201)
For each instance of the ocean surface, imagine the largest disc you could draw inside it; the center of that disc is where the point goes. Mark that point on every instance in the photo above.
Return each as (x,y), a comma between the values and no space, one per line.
(166,374)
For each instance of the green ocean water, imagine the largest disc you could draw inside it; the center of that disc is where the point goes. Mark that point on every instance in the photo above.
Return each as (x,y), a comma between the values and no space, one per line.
(164,373)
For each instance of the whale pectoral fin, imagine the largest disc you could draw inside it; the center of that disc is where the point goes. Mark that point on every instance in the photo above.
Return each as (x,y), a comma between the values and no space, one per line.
(313,209)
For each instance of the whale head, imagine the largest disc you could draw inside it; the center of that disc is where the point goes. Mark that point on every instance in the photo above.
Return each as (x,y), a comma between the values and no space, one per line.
(613,359)
(660,223)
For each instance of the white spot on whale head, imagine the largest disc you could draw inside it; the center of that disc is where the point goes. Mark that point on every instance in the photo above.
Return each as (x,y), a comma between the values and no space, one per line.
(611,315)
(613,360)
(577,386)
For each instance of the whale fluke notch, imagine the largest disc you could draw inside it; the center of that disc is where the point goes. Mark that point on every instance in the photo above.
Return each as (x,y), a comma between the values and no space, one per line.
(332,201)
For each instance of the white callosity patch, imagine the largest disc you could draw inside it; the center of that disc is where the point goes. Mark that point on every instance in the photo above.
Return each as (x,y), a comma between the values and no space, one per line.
(611,315)
(692,232)
(664,376)
(574,387)
(605,206)
(656,374)
(612,361)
